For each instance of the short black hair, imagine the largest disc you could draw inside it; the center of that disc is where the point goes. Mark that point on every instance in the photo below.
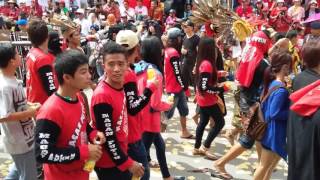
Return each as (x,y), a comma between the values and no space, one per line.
(292,34)
(112,48)
(68,62)
(7,52)
(37,32)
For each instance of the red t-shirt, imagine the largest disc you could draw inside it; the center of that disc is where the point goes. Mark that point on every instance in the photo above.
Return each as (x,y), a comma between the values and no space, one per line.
(172,72)
(58,124)
(206,98)
(41,80)
(108,107)
(244,13)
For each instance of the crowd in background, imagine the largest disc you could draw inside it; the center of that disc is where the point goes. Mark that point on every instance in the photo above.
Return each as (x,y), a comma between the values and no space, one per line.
(133,52)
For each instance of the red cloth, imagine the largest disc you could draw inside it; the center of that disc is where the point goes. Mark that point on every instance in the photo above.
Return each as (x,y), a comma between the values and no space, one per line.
(105,94)
(65,115)
(306,101)
(36,59)
(209,31)
(151,120)
(133,3)
(171,83)
(244,12)
(251,57)
(134,122)
(14,13)
(204,98)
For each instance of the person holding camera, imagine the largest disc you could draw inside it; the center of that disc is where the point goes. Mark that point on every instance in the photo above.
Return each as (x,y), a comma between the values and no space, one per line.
(279,17)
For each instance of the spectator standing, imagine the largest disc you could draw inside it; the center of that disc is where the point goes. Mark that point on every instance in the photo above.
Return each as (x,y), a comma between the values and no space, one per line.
(16,117)
(128,11)
(41,82)
(140,10)
(279,17)
(311,9)
(303,123)
(155,11)
(275,110)
(296,12)
(244,10)
(83,22)
(13,11)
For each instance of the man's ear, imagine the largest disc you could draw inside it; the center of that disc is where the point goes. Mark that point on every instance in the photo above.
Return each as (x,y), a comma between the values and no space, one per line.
(67,78)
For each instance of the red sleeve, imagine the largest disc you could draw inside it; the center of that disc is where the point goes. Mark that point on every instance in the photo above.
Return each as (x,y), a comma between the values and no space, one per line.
(205,66)
(155,101)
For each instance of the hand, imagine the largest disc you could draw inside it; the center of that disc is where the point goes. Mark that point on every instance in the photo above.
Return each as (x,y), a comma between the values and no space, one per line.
(223,73)
(95,152)
(153,81)
(137,169)
(184,51)
(99,139)
(33,108)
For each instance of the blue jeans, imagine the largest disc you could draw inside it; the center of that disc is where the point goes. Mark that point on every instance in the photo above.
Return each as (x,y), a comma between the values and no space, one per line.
(24,167)
(181,102)
(157,140)
(137,152)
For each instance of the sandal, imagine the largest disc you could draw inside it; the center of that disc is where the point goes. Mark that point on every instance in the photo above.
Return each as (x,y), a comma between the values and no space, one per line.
(154,164)
(220,173)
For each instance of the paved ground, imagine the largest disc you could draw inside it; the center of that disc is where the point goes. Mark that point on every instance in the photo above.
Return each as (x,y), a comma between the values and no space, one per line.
(180,158)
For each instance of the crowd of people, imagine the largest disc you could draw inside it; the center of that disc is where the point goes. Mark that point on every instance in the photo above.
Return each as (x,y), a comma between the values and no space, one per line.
(133,53)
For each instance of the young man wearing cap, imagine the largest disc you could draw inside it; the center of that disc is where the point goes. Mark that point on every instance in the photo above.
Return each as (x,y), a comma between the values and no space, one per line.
(173,80)
(13,10)
(135,103)
(315,32)
(41,82)
(83,22)
(189,52)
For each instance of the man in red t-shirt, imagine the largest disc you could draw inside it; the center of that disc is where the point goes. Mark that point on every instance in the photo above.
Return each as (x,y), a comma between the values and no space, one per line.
(41,81)
(244,10)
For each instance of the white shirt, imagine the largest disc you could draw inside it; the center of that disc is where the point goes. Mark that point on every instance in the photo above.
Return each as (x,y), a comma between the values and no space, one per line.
(130,13)
(141,10)
(85,26)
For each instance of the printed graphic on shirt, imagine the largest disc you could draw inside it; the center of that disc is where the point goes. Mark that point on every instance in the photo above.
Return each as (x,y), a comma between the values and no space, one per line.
(20,104)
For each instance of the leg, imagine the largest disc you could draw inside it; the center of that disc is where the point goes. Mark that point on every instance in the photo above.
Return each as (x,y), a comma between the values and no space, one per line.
(13,173)
(26,165)
(259,149)
(204,119)
(138,153)
(219,124)
(148,139)
(267,161)
(183,111)
(170,112)
(273,165)
(234,152)
(161,155)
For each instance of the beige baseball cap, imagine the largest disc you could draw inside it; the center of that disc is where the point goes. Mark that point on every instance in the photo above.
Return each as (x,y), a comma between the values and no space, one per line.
(127,38)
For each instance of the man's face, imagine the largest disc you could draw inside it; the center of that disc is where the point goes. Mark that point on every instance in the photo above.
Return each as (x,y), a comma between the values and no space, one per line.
(75,37)
(17,60)
(125,4)
(139,3)
(115,66)
(187,29)
(81,78)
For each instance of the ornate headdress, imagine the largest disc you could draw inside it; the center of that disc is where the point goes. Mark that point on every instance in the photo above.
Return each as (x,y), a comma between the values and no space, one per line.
(224,19)
(67,26)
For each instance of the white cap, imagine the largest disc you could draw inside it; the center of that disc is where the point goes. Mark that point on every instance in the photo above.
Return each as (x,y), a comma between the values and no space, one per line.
(80,11)
(280,1)
(127,38)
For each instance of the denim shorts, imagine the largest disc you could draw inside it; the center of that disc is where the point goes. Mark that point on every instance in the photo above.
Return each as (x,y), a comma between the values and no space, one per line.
(180,102)
(246,141)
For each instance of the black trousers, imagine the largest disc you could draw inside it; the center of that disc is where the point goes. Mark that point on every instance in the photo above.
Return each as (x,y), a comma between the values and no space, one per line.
(112,174)
(205,114)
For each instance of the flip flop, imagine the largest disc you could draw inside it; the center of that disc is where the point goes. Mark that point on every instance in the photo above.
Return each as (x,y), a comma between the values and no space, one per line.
(210,156)
(221,175)
(188,137)
(204,170)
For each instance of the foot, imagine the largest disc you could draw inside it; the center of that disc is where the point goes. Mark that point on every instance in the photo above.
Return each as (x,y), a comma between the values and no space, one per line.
(196,152)
(154,164)
(186,135)
(168,178)
(205,152)
(220,171)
